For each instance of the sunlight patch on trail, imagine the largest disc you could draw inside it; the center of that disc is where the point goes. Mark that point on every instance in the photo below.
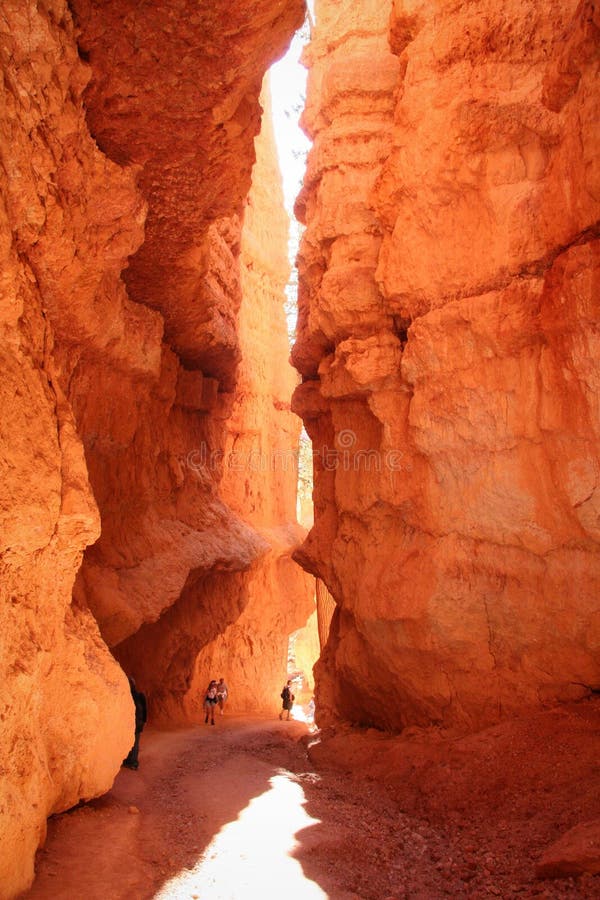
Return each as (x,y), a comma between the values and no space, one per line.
(304,714)
(250,858)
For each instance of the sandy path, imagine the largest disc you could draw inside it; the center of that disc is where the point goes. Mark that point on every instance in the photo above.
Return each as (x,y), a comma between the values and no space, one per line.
(210,813)
(238,812)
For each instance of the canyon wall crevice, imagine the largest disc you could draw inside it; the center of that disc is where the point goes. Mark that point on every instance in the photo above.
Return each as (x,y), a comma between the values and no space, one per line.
(176,97)
(447,338)
(126,151)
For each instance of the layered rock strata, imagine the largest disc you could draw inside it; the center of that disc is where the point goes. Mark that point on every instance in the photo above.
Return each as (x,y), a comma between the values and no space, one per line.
(126,147)
(448,344)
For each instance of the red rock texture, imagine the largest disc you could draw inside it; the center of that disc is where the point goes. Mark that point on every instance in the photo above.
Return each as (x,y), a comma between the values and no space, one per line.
(174,73)
(175,91)
(575,853)
(448,343)
(64,703)
(260,478)
(232,623)
(499,811)
(127,145)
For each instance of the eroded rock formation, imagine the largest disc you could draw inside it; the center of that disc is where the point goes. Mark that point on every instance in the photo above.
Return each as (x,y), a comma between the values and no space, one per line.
(237,623)
(65,711)
(261,460)
(449,343)
(176,95)
(127,145)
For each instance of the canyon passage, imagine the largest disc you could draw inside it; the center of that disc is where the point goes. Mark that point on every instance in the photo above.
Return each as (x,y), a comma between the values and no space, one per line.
(262,808)
(429,541)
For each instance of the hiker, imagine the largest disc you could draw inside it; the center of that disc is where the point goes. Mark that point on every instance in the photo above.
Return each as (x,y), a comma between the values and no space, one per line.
(222,694)
(141,716)
(287,698)
(210,701)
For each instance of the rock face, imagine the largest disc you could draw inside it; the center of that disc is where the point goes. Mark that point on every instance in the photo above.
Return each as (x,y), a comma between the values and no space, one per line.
(64,703)
(261,461)
(176,73)
(127,144)
(575,853)
(229,622)
(448,344)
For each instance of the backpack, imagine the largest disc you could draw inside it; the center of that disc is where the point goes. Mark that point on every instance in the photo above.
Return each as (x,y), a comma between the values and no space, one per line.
(285,694)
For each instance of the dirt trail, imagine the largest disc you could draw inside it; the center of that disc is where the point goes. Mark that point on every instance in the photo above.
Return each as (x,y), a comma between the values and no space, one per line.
(238,812)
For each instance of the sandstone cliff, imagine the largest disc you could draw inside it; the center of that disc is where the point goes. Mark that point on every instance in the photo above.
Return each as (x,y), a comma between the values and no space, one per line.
(261,459)
(127,147)
(448,343)
(65,711)
(227,622)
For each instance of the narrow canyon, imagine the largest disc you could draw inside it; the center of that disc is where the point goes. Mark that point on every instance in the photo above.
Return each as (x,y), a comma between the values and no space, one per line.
(446,367)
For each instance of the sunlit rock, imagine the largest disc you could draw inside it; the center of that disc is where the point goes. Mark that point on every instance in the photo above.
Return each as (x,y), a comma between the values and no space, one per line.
(127,146)
(448,341)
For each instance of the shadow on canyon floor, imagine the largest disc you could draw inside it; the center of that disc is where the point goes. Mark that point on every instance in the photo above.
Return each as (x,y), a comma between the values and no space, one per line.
(263,809)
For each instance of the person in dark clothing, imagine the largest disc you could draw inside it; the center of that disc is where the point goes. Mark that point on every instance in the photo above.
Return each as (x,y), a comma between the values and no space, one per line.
(141,716)
(287,698)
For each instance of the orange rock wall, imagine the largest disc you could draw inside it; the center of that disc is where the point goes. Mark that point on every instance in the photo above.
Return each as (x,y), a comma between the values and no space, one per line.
(307,650)
(64,703)
(229,623)
(125,165)
(260,460)
(448,341)
(174,96)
